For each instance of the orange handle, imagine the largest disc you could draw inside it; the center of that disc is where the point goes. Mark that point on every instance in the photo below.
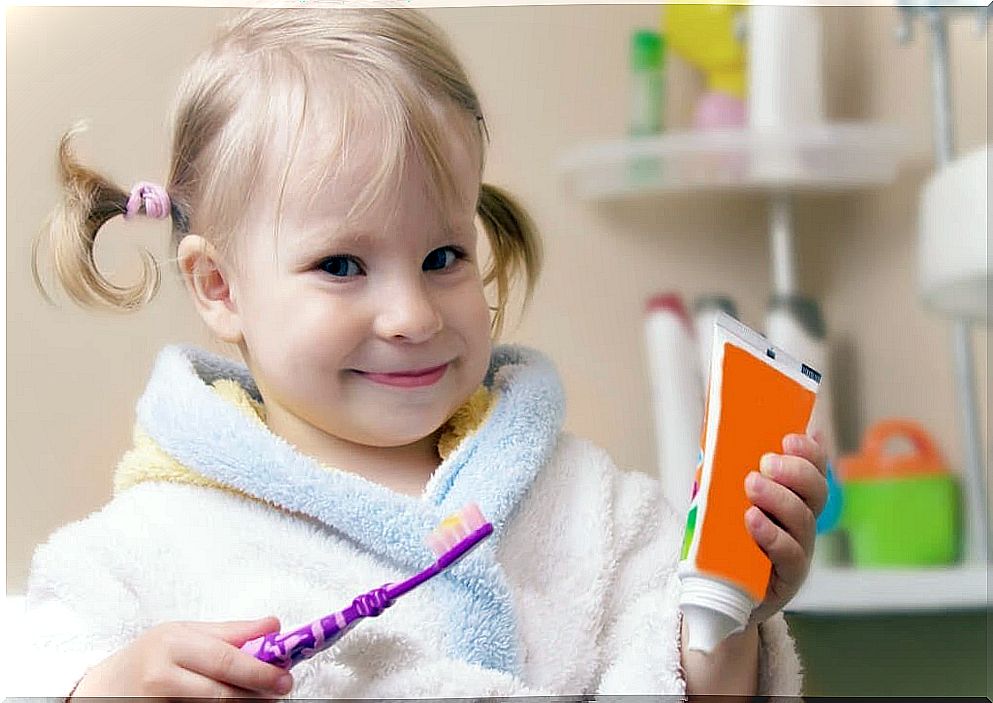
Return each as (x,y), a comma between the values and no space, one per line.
(873,459)
(874,443)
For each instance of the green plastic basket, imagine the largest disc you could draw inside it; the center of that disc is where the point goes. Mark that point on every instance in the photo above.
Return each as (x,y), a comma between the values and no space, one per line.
(912,521)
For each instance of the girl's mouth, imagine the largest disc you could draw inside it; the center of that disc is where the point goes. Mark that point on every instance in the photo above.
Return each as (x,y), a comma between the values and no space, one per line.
(408,379)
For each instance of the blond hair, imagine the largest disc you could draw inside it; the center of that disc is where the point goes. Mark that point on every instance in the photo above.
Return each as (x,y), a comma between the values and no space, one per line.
(234,102)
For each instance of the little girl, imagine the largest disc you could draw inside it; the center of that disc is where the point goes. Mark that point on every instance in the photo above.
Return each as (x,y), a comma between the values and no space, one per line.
(323,196)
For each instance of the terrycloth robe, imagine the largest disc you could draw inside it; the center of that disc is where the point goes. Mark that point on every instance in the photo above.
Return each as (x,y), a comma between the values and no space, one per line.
(216,518)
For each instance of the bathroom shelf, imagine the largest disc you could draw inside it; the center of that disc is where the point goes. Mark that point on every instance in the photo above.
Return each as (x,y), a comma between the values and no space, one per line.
(820,157)
(850,591)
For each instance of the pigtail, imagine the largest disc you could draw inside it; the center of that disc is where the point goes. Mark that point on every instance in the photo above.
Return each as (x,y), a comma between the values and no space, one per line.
(88,201)
(515,245)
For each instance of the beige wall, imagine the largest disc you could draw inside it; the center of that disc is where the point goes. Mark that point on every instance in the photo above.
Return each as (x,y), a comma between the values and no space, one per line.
(549,77)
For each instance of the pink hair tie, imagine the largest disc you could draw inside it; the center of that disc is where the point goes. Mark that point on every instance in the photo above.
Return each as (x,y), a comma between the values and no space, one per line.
(154,198)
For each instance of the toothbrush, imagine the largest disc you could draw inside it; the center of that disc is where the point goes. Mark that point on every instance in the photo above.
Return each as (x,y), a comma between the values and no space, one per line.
(454,537)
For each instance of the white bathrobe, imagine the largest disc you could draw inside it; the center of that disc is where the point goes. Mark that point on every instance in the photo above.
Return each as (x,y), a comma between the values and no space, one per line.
(575,592)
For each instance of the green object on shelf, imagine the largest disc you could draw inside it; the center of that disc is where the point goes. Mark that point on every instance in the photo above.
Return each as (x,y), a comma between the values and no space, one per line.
(647,50)
(647,95)
(900,509)
(910,521)
(647,83)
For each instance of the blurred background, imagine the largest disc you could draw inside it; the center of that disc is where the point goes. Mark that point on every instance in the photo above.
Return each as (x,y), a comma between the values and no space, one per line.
(792,169)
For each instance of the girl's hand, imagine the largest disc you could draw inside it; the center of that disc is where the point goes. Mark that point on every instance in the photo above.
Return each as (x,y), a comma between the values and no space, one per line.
(189,659)
(787,496)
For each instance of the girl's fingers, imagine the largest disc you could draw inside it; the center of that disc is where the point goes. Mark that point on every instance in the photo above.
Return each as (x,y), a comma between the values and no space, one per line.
(225,663)
(195,685)
(785,507)
(237,632)
(787,556)
(798,475)
(808,448)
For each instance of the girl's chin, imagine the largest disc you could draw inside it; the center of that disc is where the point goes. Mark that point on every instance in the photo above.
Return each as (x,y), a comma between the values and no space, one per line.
(393,438)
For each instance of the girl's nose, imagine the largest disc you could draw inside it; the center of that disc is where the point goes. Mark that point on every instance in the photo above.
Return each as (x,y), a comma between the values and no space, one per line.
(408,314)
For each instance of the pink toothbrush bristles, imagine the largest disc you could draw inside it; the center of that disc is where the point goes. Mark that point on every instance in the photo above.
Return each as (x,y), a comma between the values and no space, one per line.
(455,528)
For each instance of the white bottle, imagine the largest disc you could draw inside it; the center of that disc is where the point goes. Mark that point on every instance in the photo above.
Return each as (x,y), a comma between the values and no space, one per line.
(677,395)
(785,66)
(785,84)
(795,324)
(706,308)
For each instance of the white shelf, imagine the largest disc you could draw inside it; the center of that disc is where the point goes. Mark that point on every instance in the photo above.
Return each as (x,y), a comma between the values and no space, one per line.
(833,157)
(852,591)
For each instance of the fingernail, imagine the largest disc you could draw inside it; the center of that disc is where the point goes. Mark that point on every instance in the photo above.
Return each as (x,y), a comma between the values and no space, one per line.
(284,684)
(793,443)
(753,482)
(754,517)
(769,464)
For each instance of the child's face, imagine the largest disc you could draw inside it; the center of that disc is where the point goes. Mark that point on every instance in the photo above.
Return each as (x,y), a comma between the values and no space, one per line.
(326,316)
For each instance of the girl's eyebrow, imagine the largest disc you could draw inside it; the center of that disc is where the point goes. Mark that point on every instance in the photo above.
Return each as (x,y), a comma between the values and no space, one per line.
(343,236)
(323,237)
(460,229)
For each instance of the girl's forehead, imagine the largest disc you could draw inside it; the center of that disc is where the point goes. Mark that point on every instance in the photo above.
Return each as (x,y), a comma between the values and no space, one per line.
(403,214)
(348,160)
(330,177)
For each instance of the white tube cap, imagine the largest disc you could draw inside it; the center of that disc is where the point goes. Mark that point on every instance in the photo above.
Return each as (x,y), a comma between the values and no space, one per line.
(712,609)
(708,628)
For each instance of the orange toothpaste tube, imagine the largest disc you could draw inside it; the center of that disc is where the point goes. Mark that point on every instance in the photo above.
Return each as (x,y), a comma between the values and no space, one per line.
(756,396)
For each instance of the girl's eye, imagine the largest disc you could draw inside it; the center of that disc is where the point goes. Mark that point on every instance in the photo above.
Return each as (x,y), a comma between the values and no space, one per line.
(340,266)
(442,258)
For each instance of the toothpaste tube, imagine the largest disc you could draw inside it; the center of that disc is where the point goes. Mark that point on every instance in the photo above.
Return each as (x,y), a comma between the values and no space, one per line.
(757,394)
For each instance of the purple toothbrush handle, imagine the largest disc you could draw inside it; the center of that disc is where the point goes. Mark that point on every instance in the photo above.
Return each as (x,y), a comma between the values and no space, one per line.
(287,650)
(445,561)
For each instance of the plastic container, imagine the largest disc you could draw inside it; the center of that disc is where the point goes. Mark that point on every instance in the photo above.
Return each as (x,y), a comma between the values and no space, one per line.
(720,111)
(705,311)
(900,509)
(677,395)
(709,37)
(795,323)
(647,83)
(785,66)
(757,395)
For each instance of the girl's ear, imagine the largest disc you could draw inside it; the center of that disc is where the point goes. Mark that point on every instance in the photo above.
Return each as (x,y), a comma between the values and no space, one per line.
(210,287)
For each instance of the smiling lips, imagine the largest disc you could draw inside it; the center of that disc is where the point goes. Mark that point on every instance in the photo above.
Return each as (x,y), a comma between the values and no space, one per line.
(408,379)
